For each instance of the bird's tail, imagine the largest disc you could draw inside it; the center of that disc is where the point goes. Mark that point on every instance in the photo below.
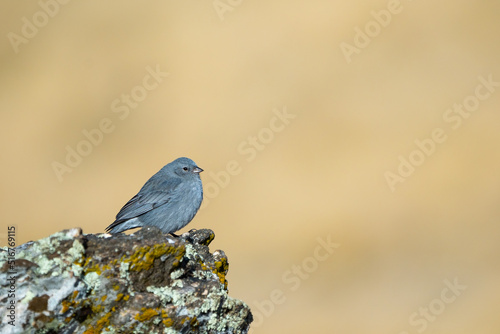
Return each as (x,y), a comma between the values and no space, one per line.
(122,225)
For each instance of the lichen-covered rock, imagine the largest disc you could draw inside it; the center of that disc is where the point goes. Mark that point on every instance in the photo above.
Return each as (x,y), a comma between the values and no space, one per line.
(147,282)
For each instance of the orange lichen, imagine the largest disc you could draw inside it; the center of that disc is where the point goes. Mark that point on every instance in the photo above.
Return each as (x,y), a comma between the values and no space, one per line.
(144,257)
(146,314)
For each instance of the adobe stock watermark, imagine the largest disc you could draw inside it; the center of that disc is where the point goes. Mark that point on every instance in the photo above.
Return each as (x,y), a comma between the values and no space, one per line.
(371,29)
(292,280)
(249,150)
(121,108)
(420,320)
(224,6)
(11,277)
(31,26)
(453,117)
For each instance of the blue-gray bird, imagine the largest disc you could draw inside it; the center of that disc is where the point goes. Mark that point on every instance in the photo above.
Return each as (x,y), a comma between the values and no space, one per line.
(169,200)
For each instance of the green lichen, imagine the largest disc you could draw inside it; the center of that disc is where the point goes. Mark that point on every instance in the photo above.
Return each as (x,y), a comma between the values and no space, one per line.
(45,254)
(211,306)
(176,274)
(124,268)
(191,253)
(177,283)
(76,250)
(212,301)
(77,269)
(92,280)
(165,293)
(234,319)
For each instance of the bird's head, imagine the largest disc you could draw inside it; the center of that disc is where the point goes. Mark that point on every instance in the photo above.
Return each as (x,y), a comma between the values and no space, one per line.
(185,167)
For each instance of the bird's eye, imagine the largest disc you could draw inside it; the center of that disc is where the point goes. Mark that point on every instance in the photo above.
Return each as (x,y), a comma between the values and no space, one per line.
(185,168)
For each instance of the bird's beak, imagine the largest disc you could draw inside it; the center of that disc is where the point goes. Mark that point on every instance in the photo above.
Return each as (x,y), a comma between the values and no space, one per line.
(197,170)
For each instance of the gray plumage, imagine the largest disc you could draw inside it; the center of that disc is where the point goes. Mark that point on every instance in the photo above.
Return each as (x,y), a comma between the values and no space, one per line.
(169,200)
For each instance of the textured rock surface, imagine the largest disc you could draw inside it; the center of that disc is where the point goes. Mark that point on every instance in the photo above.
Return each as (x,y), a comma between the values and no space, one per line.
(147,282)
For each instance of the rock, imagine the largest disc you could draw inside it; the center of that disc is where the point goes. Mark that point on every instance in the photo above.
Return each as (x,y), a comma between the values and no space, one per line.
(147,282)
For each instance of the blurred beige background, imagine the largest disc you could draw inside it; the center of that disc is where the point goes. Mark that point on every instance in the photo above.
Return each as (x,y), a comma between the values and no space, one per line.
(418,254)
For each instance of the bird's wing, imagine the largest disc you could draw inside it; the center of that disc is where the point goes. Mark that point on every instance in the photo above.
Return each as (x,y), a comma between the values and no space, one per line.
(140,204)
(146,201)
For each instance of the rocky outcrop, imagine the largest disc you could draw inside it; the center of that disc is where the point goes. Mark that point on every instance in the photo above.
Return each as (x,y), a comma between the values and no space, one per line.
(147,282)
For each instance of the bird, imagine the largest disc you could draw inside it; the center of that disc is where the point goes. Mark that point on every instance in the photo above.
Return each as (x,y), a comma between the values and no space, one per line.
(169,200)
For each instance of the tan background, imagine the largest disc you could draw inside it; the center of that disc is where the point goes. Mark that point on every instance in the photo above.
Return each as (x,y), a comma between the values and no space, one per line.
(321,176)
